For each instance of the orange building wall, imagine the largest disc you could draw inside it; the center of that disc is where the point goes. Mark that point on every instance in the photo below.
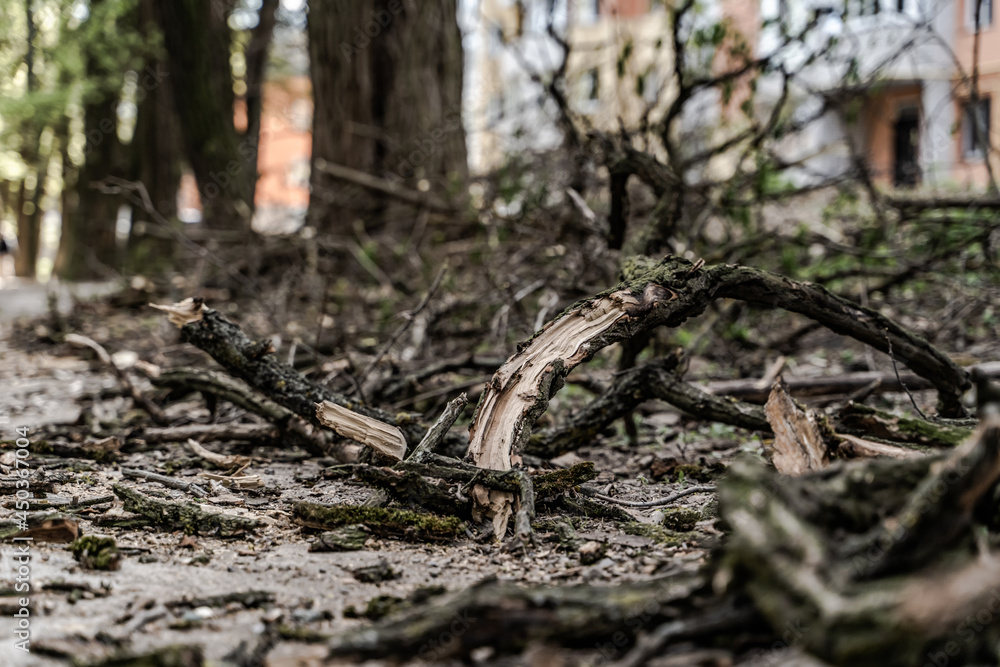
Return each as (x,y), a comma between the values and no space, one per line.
(743,23)
(973,172)
(283,152)
(624,8)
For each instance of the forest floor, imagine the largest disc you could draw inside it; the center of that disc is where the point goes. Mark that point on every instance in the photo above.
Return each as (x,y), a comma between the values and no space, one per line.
(284,599)
(163,593)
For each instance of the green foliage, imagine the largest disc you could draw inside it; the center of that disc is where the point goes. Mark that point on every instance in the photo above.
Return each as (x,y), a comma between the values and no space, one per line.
(80,53)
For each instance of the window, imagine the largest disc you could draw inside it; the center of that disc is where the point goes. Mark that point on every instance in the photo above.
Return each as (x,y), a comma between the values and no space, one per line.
(975,129)
(863,7)
(592,84)
(985,14)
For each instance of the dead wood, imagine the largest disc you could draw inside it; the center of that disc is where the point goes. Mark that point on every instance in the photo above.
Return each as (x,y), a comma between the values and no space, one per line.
(751,390)
(789,565)
(510,617)
(667,293)
(170,482)
(798,443)
(183,516)
(382,521)
(652,380)
(296,428)
(256,364)
(211,432)
(385,439)
(940,508)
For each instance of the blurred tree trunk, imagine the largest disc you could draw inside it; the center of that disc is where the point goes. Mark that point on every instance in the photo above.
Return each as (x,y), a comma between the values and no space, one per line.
(197,41)
(156,161)
(255,56)
(387,88)
(28,228)
(28,219)
(88,247)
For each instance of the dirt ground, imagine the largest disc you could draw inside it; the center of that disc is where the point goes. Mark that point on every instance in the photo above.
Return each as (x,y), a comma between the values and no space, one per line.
(86,615)
(171,588)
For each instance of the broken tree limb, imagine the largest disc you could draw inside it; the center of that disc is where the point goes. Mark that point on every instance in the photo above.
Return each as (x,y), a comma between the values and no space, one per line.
(509,617)
(383,521)
(436,433)
(169,482)
(667,293)
(223,386)
(940,508)
(183,516)
(203,432)
(654,379)
(256,364)
(384,438)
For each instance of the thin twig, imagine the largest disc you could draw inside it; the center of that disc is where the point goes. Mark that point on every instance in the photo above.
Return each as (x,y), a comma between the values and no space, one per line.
(659,501)
(154,410)
(408,321)
(896,371)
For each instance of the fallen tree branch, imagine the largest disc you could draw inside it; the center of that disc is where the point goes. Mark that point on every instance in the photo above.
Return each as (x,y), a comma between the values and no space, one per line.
(255,364)
(659,502)
(668,293)
(183,516)
(223,386)
(169,482)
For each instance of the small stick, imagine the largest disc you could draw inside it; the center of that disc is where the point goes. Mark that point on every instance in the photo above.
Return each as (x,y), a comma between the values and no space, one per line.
(916,407)
(155,411)
(189,487)
(659,501)
(436,432)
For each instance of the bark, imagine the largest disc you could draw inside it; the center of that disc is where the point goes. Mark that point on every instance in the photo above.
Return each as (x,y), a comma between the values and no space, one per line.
(387,103)
(255,364)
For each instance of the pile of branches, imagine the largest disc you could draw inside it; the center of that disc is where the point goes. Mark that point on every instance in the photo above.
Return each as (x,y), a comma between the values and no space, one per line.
(835,560)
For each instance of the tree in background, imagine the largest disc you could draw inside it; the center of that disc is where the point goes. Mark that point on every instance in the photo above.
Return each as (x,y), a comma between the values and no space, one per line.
(199,48)
(387,90)
(88,245)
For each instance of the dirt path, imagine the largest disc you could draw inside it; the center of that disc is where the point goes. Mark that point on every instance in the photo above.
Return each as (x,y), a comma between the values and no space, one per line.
(83,614)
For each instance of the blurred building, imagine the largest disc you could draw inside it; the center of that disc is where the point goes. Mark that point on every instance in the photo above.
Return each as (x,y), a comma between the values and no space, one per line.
(914,126)
(283,156)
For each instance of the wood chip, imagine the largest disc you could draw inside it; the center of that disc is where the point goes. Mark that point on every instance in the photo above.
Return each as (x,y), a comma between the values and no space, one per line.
(798,444)
(383,438)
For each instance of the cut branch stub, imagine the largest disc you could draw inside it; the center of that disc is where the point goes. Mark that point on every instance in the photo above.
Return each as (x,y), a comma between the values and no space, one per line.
(383,438)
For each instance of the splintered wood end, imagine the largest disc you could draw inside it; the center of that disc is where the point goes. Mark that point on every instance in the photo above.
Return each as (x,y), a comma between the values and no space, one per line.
(185,312)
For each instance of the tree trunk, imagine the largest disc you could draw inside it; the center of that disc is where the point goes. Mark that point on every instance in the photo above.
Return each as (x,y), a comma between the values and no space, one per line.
(197,42)
(87,247)
(256,60)
(156,157)
(387,88)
